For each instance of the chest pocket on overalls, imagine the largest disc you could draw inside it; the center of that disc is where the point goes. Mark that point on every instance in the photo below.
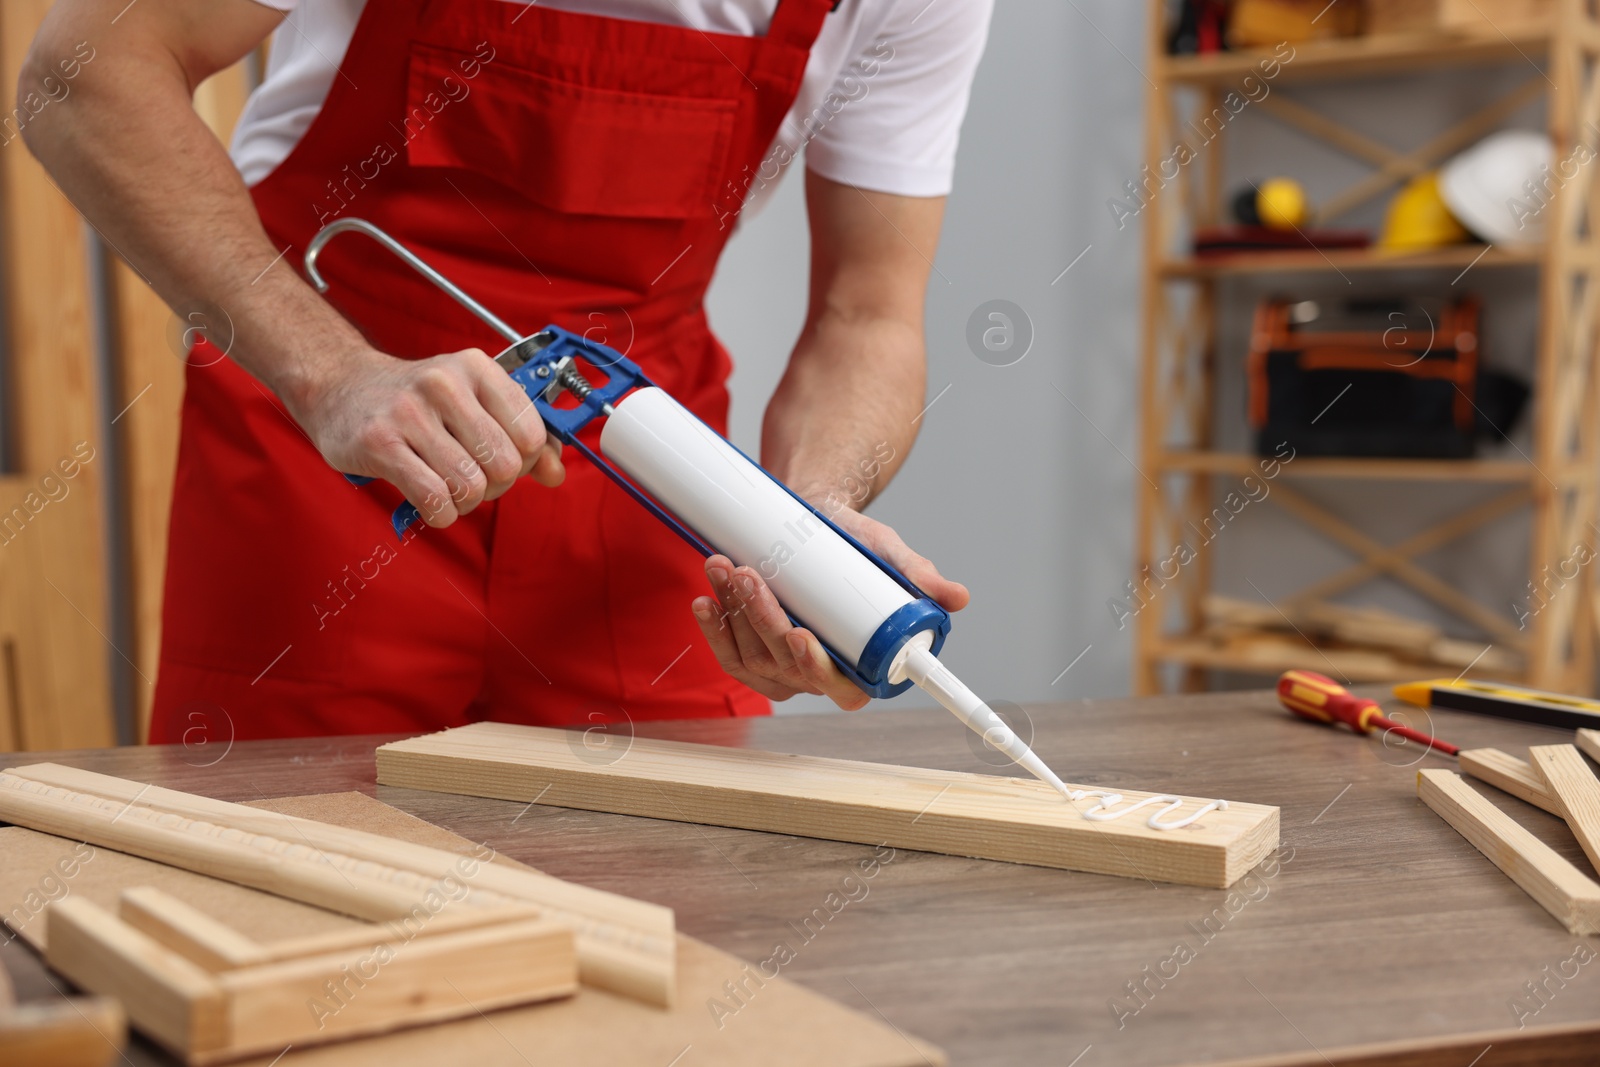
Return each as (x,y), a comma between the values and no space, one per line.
(573,149)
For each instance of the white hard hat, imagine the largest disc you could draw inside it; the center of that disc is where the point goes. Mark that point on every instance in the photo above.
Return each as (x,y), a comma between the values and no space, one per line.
(1486,186)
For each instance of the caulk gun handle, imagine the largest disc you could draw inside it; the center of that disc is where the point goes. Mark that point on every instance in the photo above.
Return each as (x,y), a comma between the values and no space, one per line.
(403,516)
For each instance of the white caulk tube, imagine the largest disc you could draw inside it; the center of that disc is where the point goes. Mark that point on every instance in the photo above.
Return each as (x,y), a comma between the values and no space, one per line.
(821,579)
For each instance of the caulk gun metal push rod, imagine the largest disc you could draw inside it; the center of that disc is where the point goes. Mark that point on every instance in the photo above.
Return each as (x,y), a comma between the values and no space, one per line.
(569,377)
(334,229)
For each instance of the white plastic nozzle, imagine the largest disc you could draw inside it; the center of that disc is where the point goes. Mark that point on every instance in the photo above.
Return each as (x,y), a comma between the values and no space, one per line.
(924,668)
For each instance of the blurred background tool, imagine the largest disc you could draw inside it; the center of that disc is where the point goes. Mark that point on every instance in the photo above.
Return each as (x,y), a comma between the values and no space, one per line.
(1498,188)
(1419,219)
(1501,701)
(1321,699)
(1277,204)
(1265,23)
(1376,376)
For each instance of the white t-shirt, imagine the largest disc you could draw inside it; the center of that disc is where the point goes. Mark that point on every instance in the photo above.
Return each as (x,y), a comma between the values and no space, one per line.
(880,106)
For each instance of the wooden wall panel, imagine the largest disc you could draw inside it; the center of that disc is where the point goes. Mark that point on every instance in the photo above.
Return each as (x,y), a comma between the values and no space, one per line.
(55,680)
(60,654)
(150,387)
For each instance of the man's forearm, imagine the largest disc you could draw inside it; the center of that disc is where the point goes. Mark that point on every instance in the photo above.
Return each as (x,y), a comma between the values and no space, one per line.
(127,148)
(150,176)
(845,414)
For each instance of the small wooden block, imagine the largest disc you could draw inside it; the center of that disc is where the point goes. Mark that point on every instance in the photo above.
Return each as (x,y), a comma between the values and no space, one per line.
(1567,776)
(986,816)
(218,947)
(188,931)
(1588,741)
(393,985)
(398,930)
(1511,775)
(381,984)
(72,1032)
(177,1003)
(1558,886)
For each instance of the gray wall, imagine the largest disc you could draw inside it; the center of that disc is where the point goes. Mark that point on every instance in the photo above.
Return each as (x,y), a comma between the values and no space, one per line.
(1009,489)
(1013,489)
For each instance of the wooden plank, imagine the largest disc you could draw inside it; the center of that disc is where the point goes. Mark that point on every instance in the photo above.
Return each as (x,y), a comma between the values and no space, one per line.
(70,1032)
(443,923)
(1558,887)
(1346,261)
(1510,775)
(623,945)
(377,990)
(187,930)
(1568,777)
(1429,470)
(254,860)
(169,998)
(989,817)
(1360,56)
(1588,742)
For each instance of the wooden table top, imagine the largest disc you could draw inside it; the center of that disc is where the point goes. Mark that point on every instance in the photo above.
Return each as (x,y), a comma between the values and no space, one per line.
(1378,926)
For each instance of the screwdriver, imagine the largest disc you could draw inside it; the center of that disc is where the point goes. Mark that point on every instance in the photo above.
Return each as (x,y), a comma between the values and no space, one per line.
(1320,699)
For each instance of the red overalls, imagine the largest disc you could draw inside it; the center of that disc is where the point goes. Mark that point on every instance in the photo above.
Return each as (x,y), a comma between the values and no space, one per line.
(562,168)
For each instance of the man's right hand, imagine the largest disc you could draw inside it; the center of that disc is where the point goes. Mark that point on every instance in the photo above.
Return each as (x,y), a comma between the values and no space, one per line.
(450,431)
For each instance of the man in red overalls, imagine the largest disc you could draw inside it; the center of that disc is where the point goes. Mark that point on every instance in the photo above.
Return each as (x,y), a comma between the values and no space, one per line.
(579,162)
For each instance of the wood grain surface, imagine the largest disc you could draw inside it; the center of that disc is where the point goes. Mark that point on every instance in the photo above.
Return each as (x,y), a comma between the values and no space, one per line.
(1567,893)
(1510,774)
(1379,935)
(1569,777)
(986,816)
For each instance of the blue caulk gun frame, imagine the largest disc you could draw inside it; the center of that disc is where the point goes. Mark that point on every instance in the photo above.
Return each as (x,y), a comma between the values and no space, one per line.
(535,363)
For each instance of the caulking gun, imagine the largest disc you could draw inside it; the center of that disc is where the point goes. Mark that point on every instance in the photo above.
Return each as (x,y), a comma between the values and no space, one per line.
(880,629)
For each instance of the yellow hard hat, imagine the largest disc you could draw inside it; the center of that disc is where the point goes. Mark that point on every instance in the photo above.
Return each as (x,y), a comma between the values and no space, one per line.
(1418,218)
(1281,203)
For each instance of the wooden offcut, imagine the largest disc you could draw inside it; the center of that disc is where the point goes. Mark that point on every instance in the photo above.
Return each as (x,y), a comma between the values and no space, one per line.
(985,816)
(187,930)
(1588,742)
(1567,776)
(623,945)
(207,1006)
(1558,886)
(1511,775)
(66,1032)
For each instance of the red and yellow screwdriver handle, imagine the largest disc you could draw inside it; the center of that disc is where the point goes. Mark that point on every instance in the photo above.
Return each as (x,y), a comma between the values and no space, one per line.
(1321,699)
(1314,696)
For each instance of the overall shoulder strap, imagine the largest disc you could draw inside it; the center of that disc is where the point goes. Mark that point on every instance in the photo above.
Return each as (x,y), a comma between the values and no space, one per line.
(797,22)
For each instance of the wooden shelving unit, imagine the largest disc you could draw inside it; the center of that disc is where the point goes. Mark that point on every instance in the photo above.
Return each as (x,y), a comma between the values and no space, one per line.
(1555,482)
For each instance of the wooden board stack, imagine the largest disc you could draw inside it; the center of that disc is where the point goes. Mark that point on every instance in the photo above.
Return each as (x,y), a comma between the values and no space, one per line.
(623,945)
(1555,778)
(985,816)
(207,993)
(784,1025)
